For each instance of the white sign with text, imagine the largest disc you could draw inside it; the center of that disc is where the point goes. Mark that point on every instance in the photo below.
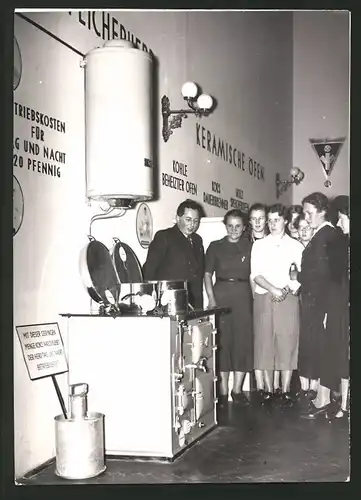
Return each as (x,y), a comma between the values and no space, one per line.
(43,349)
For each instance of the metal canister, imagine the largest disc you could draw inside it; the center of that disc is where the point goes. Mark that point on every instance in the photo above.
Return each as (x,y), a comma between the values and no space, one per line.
(175,301)
(79,439)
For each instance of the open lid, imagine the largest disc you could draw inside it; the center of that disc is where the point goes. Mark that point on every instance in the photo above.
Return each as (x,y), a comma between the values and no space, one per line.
(126,263)
(98,272)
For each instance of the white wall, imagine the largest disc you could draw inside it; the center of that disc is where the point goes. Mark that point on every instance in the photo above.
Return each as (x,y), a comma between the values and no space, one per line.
(243,59)
(321,97)
(46,248)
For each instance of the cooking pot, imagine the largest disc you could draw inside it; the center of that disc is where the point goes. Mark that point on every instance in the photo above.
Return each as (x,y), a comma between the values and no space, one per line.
(145,288)
(161,286)
(143,294)
(175,301)
(172,285)
(98,273)
(172,295)
(144,302)
(126,263)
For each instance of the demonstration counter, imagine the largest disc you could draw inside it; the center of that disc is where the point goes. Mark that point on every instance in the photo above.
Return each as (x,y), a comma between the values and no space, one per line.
(152,377)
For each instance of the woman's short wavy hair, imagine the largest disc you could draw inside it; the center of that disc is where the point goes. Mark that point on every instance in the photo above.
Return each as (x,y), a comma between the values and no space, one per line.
(342,204)
(278,208)
(235,212)
(319,201)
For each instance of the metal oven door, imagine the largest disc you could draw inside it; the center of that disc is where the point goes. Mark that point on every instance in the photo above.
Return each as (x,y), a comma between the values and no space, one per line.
(204,393)
(201,341)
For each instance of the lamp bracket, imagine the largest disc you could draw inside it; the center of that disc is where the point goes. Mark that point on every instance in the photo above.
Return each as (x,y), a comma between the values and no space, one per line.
(281,186)
(176,121)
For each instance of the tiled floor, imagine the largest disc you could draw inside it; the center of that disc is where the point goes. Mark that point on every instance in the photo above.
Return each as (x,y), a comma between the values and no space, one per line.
(250,445)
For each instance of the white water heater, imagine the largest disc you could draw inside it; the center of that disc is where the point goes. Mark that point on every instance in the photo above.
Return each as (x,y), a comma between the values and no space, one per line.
(118,123)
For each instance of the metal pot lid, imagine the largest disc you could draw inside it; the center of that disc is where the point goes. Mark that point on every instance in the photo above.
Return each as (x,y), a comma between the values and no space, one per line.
(126,263)
(100,278)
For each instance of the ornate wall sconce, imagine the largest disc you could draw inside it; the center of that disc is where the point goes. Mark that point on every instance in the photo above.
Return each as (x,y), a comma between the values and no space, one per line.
(296,176)
(200,107)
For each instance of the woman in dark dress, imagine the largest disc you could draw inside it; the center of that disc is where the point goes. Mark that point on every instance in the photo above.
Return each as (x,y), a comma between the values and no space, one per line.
(315,279)
(229,258)
(335,366)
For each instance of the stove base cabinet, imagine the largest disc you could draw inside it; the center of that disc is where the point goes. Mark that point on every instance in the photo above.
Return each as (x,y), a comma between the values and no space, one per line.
(152,378)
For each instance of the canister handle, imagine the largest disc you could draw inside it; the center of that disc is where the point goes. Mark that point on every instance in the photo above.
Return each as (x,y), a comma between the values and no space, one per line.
(80,389)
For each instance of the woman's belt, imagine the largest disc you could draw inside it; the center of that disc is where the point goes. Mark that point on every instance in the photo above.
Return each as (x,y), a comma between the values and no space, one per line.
(232,279)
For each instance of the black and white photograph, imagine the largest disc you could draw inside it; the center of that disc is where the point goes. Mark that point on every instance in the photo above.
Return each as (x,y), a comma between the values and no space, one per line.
(181,228)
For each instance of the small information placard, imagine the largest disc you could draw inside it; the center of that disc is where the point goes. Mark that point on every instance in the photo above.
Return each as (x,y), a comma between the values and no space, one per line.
(43,349)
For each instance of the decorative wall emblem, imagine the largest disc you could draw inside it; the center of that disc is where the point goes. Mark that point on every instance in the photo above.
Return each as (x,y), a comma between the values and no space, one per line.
(327,152)
(144,225)
(18,66)
(18,205)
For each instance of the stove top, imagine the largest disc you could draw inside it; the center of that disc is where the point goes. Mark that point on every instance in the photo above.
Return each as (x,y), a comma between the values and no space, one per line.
(196,313)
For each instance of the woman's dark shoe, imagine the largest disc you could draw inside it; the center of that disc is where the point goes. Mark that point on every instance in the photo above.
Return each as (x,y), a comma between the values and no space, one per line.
(301,395)
(315,412)
(335,398)
(264,396)
(311,395)
(240,398)
(277,393)
(336,412)
(340,417)
(305,399)
(287,400)
(277,397)
(223,400)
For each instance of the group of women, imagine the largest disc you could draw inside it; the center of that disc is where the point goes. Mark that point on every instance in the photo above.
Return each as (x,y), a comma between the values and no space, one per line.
(284,275)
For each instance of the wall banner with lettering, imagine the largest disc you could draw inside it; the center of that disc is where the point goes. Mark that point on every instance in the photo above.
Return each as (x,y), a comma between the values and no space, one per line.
(327,152)
(43,350)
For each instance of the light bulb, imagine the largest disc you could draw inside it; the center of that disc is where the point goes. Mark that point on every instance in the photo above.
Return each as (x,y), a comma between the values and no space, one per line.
(205,101)
(189,90)
(294,171)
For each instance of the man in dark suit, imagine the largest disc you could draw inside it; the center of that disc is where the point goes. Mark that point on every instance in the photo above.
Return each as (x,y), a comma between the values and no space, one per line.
(177,253)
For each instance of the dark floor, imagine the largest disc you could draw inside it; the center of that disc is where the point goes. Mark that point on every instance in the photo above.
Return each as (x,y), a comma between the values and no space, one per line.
(254,444)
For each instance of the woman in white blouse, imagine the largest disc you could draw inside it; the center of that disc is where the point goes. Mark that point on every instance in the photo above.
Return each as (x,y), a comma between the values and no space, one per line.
(276,307)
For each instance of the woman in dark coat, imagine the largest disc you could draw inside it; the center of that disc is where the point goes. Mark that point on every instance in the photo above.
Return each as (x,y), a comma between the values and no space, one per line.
(335,366)
(315,278)
(229,258)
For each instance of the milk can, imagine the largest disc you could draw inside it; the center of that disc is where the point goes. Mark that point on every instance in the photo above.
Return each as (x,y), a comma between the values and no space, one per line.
(79,439)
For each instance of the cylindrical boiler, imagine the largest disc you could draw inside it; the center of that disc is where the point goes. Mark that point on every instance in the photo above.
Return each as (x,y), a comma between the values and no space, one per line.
(118,122)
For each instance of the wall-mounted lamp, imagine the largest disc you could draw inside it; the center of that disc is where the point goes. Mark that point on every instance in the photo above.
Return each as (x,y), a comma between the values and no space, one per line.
(200,107)
(296,176)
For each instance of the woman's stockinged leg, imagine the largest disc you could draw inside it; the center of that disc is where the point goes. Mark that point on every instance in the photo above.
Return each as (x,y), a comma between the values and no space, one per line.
(276,379)
(223,387)
(314,384)
(259,379)
(238,381)
(305,383)
(323,397)
(268,379)
(344,396)
(286,380)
